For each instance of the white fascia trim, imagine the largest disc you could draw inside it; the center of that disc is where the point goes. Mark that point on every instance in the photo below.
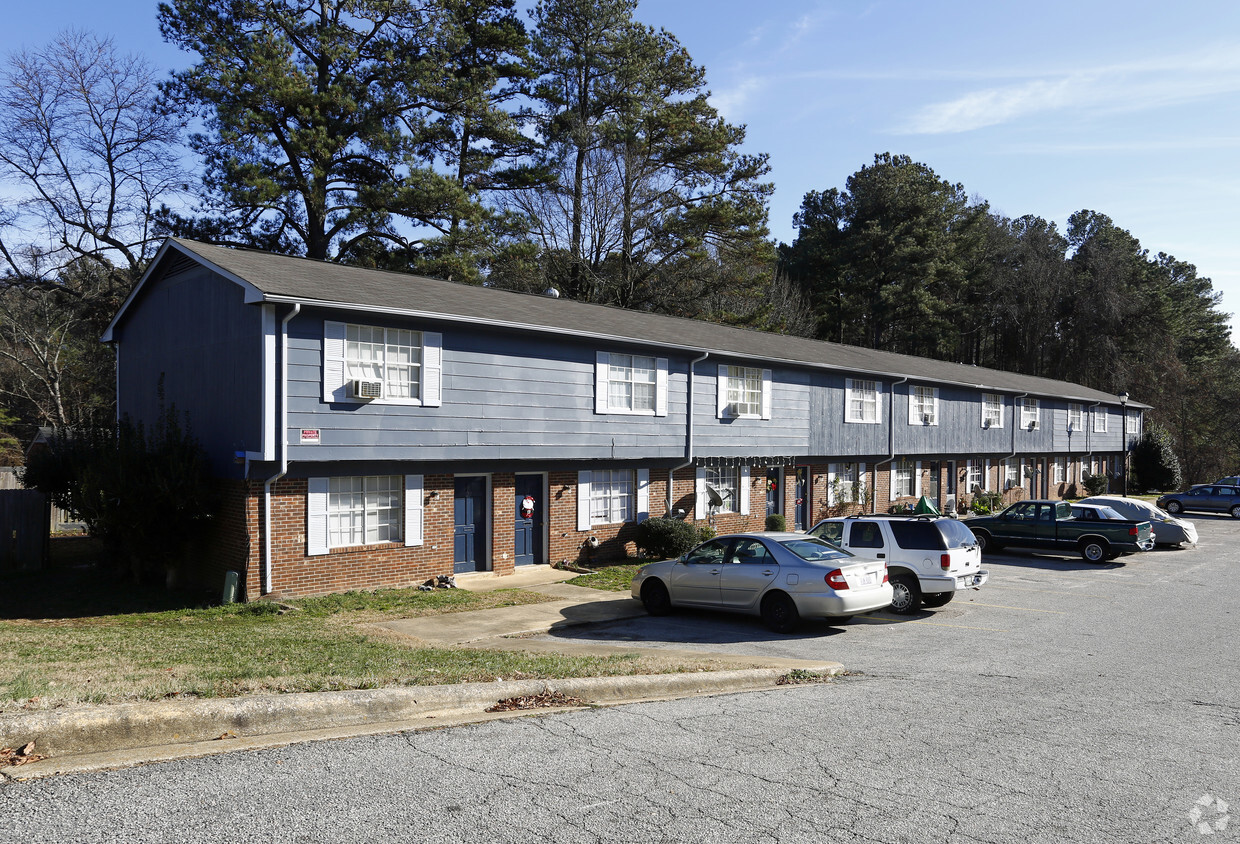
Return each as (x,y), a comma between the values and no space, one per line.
(631,341)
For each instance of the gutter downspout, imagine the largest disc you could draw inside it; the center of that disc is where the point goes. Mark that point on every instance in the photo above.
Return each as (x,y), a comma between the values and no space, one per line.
(1012,456)
(283,439)
(891,430)
(1089,427)
(671,473)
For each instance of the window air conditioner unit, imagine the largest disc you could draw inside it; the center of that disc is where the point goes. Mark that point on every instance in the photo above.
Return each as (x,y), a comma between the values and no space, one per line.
(1033,426)
(926,419)
(985,423)
(359,389)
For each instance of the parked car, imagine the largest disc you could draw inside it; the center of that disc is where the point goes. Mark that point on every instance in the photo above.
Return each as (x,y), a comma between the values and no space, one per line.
(1168,530)
(929,558)
(1049,524)
(1207,498)
(1230,480)
(780,576)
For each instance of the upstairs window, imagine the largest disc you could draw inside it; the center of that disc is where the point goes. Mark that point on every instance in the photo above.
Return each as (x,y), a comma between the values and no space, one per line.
(744,392)
(371,363)
(1100,421)
(635,384)
(992,410)
(1076,417)
(1029,414)
(1132,423)
(923,405)
(860,401)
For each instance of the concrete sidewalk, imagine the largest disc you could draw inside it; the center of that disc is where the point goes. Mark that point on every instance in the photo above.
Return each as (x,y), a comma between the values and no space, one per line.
(106,737)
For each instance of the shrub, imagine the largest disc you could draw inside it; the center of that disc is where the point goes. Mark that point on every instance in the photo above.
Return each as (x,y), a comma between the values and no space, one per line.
(706,532)
(666,538)
(776,521)
(147,495)
(1154,463)
(1096,484)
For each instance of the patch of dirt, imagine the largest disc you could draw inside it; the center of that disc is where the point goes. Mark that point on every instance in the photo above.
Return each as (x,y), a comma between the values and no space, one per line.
(547,698)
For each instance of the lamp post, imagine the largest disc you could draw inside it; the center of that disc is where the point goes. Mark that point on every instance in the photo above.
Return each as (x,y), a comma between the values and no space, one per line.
(1123,412)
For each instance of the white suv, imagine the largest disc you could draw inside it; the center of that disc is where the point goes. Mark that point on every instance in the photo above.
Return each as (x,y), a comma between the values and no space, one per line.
(929,558)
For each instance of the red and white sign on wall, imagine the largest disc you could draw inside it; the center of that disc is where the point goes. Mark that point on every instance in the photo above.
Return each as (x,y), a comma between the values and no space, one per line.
(310,436)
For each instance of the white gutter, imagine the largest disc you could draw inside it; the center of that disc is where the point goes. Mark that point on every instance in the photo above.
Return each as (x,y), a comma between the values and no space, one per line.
(1089,427)
(1015,399)
(891,425)
(283,440)
(671,473)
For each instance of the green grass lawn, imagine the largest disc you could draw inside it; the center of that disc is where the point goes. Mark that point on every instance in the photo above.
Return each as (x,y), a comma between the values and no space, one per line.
(75,635)
(610,578)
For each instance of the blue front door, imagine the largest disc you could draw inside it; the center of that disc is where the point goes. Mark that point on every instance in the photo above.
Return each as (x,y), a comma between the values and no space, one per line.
(469,535)
(528,530)
(774,492)
(801,514)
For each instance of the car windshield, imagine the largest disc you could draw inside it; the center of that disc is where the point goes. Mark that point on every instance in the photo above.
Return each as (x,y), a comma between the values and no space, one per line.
(814,549)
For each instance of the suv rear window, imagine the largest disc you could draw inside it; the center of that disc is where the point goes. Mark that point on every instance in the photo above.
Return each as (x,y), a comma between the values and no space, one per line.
(932,536)
(923,536)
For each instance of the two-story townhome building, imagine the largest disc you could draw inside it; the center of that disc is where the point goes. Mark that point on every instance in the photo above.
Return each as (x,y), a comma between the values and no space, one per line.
(374,429)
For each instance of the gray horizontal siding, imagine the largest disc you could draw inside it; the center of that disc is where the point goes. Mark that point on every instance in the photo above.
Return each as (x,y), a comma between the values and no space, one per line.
(194,335)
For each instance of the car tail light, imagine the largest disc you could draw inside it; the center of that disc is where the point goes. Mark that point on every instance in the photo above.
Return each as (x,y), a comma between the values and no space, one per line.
(835,580)
(885,578)
(1132,531)
(945,561)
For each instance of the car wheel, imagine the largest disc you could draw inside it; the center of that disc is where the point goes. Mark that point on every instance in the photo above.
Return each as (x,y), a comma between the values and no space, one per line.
(937,599)
(1174,507)
(985,544)
(655,598)
(779,613)
(1235,512)
(1094,551)
(905,594)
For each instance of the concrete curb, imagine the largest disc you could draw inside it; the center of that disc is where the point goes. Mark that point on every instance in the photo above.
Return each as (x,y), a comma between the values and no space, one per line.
(138,726)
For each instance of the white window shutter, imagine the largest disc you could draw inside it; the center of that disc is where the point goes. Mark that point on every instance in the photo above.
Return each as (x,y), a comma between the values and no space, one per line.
(766,394)
(862,480)
(432,369)
(316,516)
(833,469)
(743,492)
(660,387)
(333,361)
(917,479)
(913,418)
(891,475)
(699,494)
(583,501)
(643,494)
(986,477)
(721,396)
(413,510)
(602,366)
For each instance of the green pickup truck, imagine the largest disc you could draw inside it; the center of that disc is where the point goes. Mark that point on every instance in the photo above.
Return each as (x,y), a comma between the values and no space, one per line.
(1049,525)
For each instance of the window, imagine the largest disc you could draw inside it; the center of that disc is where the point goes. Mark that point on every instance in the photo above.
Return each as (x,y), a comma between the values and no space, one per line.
(635,384)
(363,511)
(611,496)
(923,406)
(860,401)
(391,356)
(1029,414)
(1132,424)
(744,392)
(1076,417)
(992,410)
(903,479)
(724,480)
(865,535)
(395,365)
(846,482)
(1100,421)
(975,480)
(1059,470)
(1011,474)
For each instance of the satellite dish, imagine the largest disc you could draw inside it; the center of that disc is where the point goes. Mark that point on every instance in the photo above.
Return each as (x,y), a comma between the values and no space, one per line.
(713,496)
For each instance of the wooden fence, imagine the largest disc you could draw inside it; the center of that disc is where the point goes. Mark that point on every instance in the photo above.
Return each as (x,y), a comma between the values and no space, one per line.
(61,522)
(23,529)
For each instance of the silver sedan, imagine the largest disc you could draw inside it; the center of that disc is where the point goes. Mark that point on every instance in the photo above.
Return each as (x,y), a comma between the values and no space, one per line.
(1168,529)
(779,576)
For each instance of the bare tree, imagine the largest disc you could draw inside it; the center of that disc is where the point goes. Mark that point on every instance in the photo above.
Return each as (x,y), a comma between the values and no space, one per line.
(87,156)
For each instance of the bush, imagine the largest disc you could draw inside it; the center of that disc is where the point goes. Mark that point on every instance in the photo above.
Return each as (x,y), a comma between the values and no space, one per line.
(706,532)
(1154,463)
(147,495)
(1096,484)
(776,521)
(666,538)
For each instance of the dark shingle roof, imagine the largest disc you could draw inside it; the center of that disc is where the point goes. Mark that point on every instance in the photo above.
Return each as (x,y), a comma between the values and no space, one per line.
(284,278)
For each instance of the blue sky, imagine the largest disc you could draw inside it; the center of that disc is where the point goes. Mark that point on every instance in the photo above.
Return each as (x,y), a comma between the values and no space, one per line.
(1128,108)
